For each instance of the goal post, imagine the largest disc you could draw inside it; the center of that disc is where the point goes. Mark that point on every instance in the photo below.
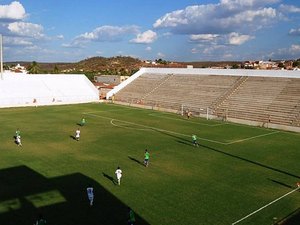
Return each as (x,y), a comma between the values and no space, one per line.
(204,112)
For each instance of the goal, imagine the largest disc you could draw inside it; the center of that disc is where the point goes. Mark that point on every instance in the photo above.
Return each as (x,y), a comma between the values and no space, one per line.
(204,112)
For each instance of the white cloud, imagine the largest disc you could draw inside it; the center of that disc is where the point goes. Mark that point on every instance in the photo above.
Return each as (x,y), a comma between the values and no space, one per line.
(227,56)
(160,55)
(294,49)
(203,37)
(212,49)
(194,50)
(103,34)
(108,33)
(286,53)
(224,17)
(60,36)
(26,29)
(16,41)
(238,39)
(13,11)
(295,32)
(148,48)
(234,4)
(146,37)
(289,8)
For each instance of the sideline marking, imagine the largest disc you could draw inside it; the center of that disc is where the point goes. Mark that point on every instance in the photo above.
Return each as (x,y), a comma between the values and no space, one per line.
(265,206)
(250,138)
(180,134)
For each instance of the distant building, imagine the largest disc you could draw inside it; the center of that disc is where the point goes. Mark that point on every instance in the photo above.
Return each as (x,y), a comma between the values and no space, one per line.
(18,69)
(261,65)
(105,83)
(110,79)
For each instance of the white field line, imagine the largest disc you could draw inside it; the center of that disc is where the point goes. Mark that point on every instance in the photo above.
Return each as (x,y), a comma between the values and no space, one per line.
(154,128)
(187,121)
(112,123)
(265,206)
(250,138)
(181,134)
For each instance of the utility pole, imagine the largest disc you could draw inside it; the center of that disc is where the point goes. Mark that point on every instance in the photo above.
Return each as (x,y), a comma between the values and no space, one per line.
(1,55)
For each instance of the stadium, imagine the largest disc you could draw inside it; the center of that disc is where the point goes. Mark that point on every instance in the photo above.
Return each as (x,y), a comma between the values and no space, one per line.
(243,172)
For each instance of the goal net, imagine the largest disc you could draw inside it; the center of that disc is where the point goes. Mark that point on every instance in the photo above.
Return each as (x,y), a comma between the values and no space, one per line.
(191,111)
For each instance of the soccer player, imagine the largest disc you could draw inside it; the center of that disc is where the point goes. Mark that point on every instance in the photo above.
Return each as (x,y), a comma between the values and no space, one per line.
(194,139)
(18,133)
(18,140)
(77,134)
(131,216)
(90,194)
(40,220)
(82,122)
(119,175)
(146,158)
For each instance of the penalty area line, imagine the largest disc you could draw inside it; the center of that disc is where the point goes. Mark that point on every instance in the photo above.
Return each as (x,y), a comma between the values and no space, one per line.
(265,206)
(150,127)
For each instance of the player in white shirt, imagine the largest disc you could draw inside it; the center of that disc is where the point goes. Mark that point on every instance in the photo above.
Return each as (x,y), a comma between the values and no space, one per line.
(77,134)
(90,194)
(119,175)
(18,140)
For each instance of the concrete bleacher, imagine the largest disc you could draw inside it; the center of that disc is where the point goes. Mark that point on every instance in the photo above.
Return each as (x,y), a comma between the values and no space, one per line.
(26,90)
(264,98)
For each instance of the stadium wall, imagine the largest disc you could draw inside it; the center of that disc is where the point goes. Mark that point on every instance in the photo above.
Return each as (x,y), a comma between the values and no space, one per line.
(32,90)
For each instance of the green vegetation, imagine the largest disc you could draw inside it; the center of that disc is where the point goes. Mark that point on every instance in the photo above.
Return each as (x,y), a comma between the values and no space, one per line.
(236,170)
(34,68)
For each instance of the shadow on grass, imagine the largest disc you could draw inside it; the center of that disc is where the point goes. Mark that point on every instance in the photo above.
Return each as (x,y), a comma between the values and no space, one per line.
(282,184)
(183,140)
(24,194)
(185,143)
(73,137)
(292,219)
(135,160)
(250,161)
(110,178)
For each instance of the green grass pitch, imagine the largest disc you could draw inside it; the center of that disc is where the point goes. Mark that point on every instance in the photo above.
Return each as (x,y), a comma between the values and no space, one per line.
(236,170)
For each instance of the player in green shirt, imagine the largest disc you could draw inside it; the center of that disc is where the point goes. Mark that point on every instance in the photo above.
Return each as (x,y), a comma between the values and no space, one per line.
(146,158)
(131,219)
(18,132)
(194,139)
(82,122)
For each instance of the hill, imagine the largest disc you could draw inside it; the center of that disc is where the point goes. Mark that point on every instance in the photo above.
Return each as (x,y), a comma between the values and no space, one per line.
(118,65)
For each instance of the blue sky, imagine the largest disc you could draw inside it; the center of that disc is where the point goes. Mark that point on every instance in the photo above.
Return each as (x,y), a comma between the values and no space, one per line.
(174,30)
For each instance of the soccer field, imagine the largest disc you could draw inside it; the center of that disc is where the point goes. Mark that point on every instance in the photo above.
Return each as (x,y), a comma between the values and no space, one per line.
(235,171)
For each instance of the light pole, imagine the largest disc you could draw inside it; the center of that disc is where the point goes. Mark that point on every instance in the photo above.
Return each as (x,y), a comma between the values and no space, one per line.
(1,56)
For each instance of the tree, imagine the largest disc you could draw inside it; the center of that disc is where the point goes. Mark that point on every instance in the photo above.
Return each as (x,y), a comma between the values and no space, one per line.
(5,67)
(55,70)
(296,63)
(33,68)
(281,65)
(235,66)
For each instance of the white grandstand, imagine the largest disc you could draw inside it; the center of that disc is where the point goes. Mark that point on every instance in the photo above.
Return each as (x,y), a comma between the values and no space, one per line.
(269,98)
(40,89)
(199,72)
